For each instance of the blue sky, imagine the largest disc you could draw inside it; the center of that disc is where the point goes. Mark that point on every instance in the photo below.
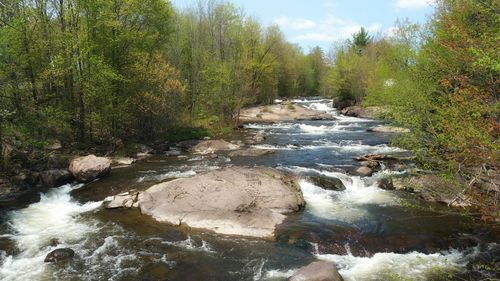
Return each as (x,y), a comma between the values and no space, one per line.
(321,23)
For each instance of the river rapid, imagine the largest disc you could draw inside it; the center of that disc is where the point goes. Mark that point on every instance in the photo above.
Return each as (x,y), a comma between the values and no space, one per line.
(370,233)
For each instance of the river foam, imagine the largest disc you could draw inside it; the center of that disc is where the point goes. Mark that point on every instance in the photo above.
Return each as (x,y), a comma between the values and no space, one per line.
(391,266)
(56,216)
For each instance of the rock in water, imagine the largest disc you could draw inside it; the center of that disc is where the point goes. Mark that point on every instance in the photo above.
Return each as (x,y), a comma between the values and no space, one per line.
(60,255)
(213,146)
(88,168)
(124,200)
(54,178)
(233,201)
(328,183)
(317,271)
(123,160)
(364,171)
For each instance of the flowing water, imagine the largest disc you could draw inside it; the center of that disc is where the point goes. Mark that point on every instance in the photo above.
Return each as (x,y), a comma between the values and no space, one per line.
(370,233)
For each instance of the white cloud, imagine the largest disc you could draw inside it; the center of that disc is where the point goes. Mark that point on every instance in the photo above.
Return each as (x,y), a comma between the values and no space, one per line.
(390,32)
(331,29)
(413,4)
(295,24)
(327,29)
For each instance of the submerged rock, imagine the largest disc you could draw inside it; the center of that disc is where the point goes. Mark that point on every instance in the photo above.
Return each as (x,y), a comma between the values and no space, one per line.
(88,168)
(54,178)
(328,183)
(317,271)
(233,201)
(213,146)
(60,255)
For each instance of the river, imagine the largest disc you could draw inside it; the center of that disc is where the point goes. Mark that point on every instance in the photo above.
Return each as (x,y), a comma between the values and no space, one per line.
(370,233)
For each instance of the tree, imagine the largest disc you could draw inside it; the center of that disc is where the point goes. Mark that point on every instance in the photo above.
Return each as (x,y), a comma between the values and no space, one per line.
(360,40)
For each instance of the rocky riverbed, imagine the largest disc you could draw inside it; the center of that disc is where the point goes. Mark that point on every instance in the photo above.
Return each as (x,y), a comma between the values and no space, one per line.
(233,210)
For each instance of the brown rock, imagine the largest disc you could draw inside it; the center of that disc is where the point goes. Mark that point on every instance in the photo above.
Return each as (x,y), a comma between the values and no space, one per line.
(317,271)
(89,168)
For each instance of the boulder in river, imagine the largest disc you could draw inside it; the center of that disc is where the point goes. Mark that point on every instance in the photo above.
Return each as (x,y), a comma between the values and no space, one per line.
(328,183)
(88,168)
(60,255)
(54,178)
(233,201)
(364,171)
(317,271)
(213,146)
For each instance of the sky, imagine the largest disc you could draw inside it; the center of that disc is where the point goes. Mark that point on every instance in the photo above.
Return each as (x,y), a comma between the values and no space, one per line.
(311,23)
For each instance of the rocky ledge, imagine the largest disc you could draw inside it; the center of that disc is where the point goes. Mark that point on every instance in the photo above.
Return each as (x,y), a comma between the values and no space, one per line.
(233,201)
(281,113)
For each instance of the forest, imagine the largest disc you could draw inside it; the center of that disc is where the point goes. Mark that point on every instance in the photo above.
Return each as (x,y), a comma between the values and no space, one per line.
(93,72)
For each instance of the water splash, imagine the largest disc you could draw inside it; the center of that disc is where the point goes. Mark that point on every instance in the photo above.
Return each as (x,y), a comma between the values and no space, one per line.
(56,216)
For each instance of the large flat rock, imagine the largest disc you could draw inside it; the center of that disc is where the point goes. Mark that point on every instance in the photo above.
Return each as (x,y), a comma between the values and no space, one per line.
(281,113)
(233,201)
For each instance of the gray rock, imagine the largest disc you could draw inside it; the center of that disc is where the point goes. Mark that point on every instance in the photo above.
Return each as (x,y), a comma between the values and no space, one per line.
(124,200)
(60,255)
(317,271)
(213,146)
(257,138)
(328,183)
(54,178)
(88,168)
(364,171)
(123,160)
(233,201)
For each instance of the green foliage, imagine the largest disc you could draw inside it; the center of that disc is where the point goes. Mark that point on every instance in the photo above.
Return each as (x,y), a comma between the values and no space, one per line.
(440,81)
(360,40)
(96,70)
